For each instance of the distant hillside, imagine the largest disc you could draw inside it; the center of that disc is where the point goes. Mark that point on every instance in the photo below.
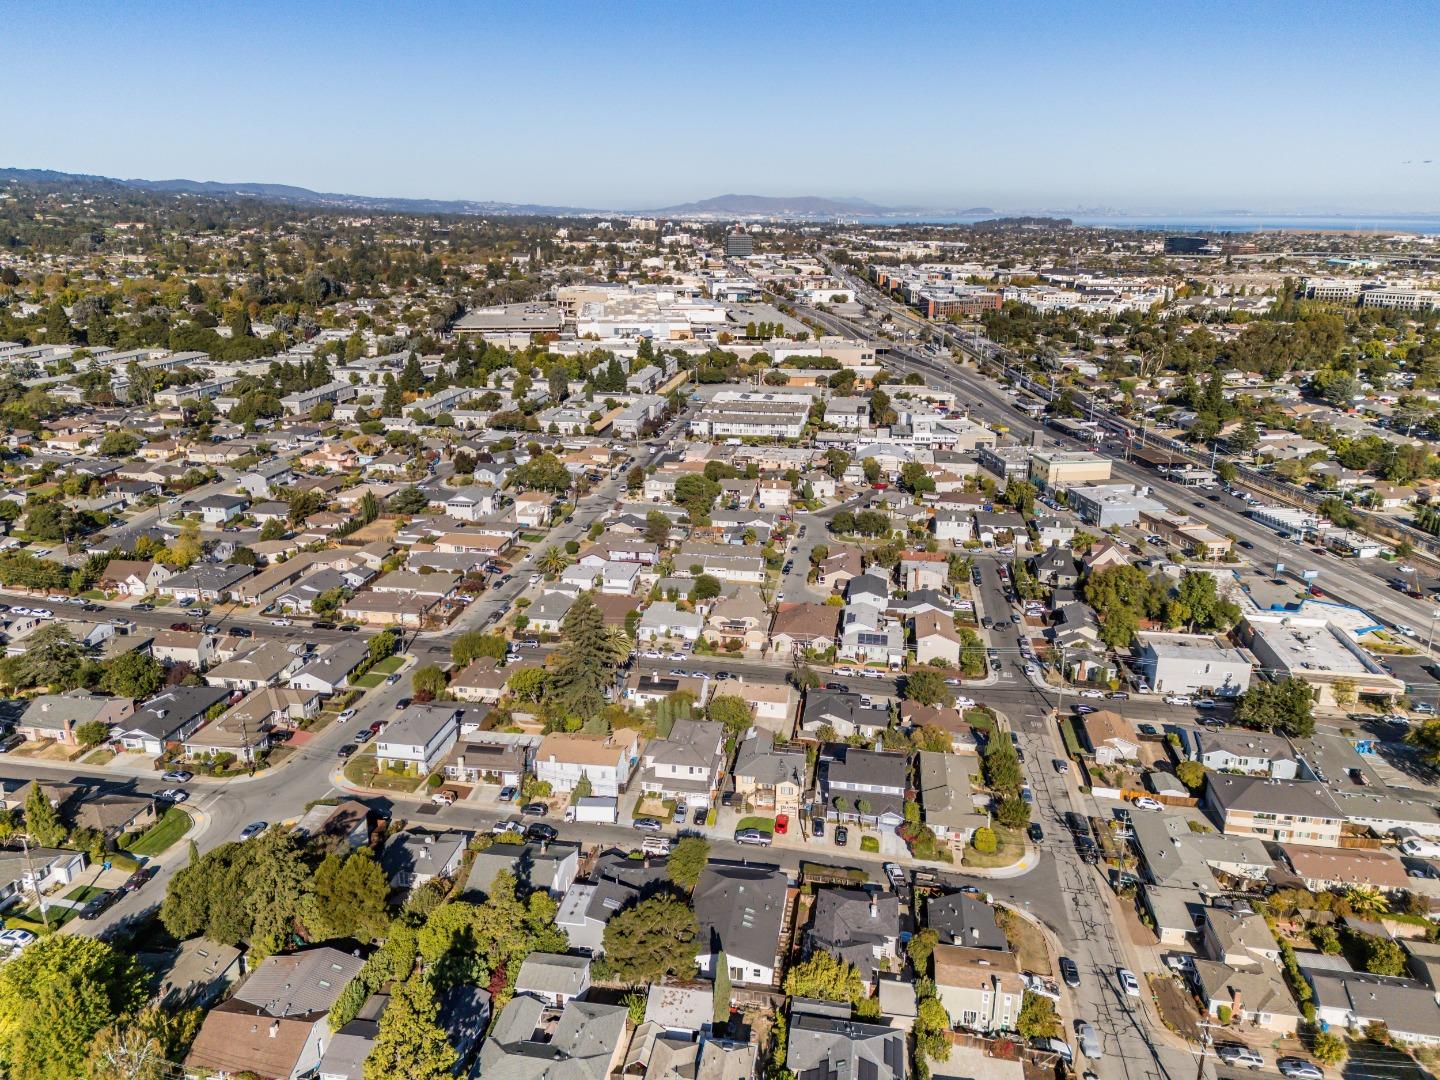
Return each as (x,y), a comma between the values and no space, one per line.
(775,206)
(286,193)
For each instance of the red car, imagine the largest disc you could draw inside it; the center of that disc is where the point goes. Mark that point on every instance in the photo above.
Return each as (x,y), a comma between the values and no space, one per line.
(782,824)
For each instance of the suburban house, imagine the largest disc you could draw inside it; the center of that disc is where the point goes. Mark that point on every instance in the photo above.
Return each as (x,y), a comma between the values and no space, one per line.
(663,620)
(133,577)
(769,778)
(1110,736)
(204,582)
(42,868)
(981,989)
(274,1024)
(531,1039)
(741,910)
(686,764)
(549,866)
(1249,995)
(862,785)
(418,738)
(57,716)
(1256,753)
(859,926)
(947,806)
(798,627)
(936,638)
(266,664)
(482,758)
(843,714)
(607,760)
(1353,1000)
(410,859)
(1283,811)
(960,919)
(329,672)
(554,978)
(168,718)
(833,1046)
(924,570)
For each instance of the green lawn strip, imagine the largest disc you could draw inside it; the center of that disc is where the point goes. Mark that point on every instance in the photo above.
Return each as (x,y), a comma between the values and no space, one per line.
(171,827)
(764,824)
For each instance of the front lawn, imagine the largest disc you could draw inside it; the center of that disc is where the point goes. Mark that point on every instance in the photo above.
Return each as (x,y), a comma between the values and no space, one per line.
(361,770)
(369,681)
(174,824)
(389,665)
(1010,846)
(81,893)
(764,824)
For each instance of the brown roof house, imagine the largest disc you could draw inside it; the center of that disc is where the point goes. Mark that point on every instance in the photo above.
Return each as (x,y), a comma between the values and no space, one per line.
(1111,737)
(797,627)
(275,1023)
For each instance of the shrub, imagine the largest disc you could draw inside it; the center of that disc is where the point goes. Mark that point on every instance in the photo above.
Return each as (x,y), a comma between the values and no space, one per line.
(984,841)
(870,843)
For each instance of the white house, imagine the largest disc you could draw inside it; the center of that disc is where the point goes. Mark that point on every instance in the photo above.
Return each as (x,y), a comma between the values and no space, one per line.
(607,760)
(418,738)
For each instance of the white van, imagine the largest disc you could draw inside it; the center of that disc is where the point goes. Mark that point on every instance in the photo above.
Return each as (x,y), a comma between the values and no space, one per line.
(1420,848)
(655,845)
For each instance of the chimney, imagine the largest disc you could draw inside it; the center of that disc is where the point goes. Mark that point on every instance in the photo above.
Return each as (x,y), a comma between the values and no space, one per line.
(1236,1011)
(274,1028)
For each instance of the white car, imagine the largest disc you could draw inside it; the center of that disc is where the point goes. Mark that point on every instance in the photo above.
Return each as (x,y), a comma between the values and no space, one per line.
(1144,802)
(1205,703)
(280,622)
(1178,699)
(348,714)
(964,703)
(1405,568)
(42,613)
(1092,693)
(1129,983)
(15,939)
(1407,631)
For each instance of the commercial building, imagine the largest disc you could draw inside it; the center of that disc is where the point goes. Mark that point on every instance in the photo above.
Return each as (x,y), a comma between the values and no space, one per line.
(1318,653)
(1105,505)
(750,414)
(739,245)
(1064,468)
(1192,663)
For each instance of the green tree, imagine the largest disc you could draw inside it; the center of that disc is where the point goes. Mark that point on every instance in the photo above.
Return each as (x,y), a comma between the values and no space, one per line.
(527,684)
(55,997)
(411,1044)
(1001,765)
(1329,1048)
(921,947)
(687,861)
(1191,774)
(428,682)
(1038,1019)
(92,733)
(927,687)
(119,443)
(984,841)
(697,494)
(825,977)
(237,893)
(1012,812)
(706,587)
(1287,706)
(552,561)
(350,895)
(931,1023)
(721,989)
(657,527)
(730,710)
(42,822)
(52,658)
(472,645)
(544,472)
(584,666)
(133,675)
(652,939)
(1384,957)
(382,645)
(408,500)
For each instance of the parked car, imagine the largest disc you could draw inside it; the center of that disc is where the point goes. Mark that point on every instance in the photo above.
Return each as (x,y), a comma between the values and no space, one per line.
(817,828)
(173,795)
(403,703)
(1118,695)
(1082,710)
(1062,766)
(1069,973)
(842,836)
(1088,1041)
(137,880)
(678,817)
(14,940)
(753,837)
(443,797)
(700,816)
(1144,802)
(1128,982)
(534,809)
(1178,699)
(255,828)
(348,714)
(782,824)
(1092,693)
(1205,703)
(177,776)
(1299,1069)
(538,830)
(508,793)
(364,735)
(648,824)
(1036,833)
(97,904)
(1238,1054)
(347,750)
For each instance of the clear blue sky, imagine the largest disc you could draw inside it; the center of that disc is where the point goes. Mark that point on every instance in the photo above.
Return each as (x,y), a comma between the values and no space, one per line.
(1170,106)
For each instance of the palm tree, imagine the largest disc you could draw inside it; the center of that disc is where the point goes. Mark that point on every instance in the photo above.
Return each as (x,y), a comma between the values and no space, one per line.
(1366,900)
(552,561)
